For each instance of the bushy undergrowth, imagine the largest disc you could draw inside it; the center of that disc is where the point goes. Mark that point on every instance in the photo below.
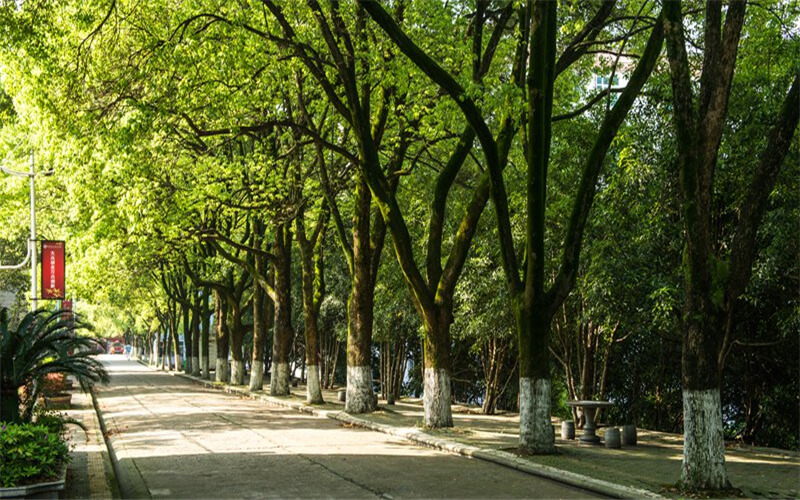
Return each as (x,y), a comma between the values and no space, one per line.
(32,453)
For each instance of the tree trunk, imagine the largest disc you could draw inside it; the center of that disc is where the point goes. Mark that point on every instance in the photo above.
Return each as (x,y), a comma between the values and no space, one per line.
(259,330)
(204,334)
(437,390)
(237,341)
(196,320)
(310,313)
(220,313)
(269,322)
(587,337)
(536,433)
(279,383)
(176,350)
(161,339)
(360,397)
(147,348)
(703,447)
(494,358)
(490,378)
(392,366)
(169,352)
(152,347)
(329,355)
(399,370)
(312,284)
(588,366)
(187,337)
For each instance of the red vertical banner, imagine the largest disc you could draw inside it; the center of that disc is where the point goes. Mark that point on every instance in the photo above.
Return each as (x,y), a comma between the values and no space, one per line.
(52,269)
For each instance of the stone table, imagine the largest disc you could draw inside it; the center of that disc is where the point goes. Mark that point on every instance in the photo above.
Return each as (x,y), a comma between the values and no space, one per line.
(590,408)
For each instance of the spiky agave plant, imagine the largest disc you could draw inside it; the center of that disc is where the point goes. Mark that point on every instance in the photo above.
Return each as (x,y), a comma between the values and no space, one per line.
(43,342)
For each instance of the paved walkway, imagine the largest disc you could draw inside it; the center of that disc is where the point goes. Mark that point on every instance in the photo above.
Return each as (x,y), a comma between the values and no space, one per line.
(653,465)
(175,439)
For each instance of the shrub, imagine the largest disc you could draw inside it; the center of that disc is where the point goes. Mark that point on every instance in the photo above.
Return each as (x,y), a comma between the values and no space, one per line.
(43,343)
(30,453)
(53,421)
(53,383)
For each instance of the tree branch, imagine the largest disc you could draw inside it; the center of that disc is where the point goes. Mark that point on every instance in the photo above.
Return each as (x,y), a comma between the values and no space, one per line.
(594,163)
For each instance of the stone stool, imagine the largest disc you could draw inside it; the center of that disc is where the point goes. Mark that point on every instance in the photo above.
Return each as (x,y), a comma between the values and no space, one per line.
(567,430)
(612,437)
(629,435)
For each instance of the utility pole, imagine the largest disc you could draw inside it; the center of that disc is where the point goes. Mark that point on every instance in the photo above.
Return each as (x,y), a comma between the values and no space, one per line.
(32,250)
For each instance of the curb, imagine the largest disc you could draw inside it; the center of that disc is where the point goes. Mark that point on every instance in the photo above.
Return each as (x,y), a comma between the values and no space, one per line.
(99,435)
(129,480)
(498,457)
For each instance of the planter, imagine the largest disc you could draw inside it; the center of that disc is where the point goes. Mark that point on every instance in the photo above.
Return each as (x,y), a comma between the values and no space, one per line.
(50,490)
(58,401)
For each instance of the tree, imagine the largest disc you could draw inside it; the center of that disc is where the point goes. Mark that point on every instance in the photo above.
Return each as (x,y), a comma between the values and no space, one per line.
(534,306)
(432,294)
(714,279)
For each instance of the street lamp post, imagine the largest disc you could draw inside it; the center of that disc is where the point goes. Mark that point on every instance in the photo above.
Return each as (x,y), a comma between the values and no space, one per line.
(32,252)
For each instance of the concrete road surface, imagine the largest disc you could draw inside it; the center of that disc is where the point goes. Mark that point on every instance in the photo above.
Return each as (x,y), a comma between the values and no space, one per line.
(174,439)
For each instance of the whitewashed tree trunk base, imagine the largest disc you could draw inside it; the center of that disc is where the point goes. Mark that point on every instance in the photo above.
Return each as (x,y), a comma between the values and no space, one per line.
(206,373)
(703,444)
(313,389)
(257,376)
(221,373)
(195,366)
(536,433)
(237,372)
(359,398)
(436,398)
(279,380)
